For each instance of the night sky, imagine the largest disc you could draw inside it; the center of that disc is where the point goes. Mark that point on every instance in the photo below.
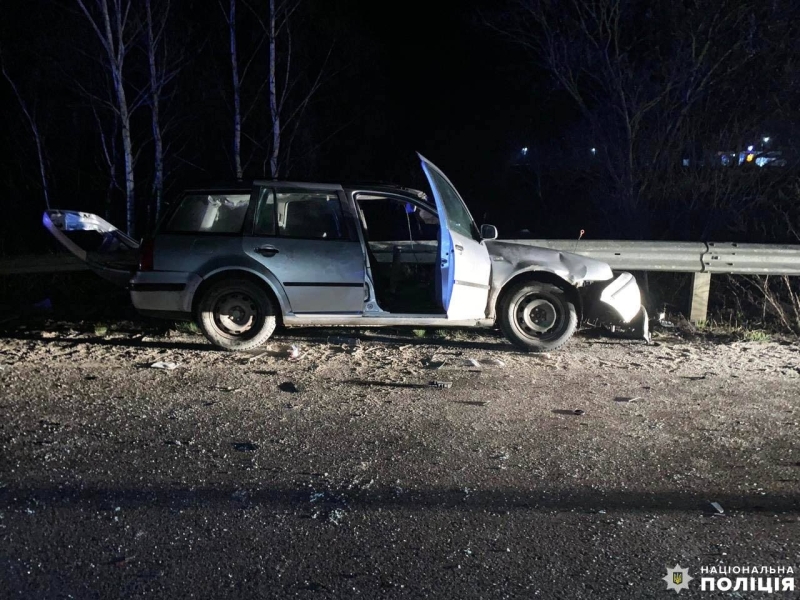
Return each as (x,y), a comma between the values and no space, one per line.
(433,78)
(418,76)
(449,87)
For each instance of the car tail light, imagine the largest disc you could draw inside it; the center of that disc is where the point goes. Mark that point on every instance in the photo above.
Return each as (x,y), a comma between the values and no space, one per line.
(146,255)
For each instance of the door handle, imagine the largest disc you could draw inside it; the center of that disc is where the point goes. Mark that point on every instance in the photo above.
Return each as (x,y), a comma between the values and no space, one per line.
(267,251)
(459,248)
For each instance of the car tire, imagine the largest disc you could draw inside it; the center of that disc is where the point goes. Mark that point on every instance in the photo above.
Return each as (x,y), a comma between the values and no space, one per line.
(536,316)
(236,314)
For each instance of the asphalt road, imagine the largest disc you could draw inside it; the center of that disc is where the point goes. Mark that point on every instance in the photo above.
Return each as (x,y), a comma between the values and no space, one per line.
(343,474)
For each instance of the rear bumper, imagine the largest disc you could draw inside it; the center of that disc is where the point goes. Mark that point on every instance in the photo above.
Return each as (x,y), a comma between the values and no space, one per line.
(165,292)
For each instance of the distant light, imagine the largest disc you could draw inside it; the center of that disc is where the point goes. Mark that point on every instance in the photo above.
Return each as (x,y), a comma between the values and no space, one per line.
(524,151)
(594,150)
(750,157)
(766,140)
(749,148)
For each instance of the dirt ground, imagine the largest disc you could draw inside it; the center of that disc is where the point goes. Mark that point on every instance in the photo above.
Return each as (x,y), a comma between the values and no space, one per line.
(343,472)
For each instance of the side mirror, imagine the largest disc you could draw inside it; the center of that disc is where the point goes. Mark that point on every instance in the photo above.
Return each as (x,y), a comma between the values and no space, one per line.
(489,232)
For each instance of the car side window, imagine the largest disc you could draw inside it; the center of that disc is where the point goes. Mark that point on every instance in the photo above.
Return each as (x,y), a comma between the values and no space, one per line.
(385,219)
(264,223)
(424,225)
(209,213)
(310,215)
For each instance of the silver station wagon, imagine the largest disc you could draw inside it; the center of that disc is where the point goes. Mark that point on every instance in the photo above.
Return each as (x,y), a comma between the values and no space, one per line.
(242,261)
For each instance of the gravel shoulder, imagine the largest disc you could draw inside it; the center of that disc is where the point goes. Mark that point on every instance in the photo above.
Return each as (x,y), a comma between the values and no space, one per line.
(343,473)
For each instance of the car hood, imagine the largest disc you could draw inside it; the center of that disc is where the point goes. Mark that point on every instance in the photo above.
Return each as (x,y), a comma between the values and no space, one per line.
(516,257)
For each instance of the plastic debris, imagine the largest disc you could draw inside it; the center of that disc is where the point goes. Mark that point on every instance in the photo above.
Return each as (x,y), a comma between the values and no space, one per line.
(169,366)
(492,362)
(626,399)
(344,341)
(245,446)
(336,516)
(293,352)
(579,412)
(444,385)
(462,363)
(256,354)
(718,508)
(289,387)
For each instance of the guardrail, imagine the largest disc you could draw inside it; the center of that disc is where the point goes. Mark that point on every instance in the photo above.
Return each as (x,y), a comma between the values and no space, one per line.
(680,257)
(684,257)
(699,258)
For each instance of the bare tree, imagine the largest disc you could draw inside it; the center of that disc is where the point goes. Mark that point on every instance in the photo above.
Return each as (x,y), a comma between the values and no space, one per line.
(30,117)
(110,155)
(289,89)
(114,26)
(274,111)
(237,92)
(162,68)
(652,81)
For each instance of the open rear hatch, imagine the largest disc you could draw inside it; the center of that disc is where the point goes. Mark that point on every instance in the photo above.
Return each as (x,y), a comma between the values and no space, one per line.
(105,249)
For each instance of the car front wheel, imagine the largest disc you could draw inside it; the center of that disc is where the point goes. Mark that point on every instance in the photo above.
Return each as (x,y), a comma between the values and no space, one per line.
(536,316)
(236,314)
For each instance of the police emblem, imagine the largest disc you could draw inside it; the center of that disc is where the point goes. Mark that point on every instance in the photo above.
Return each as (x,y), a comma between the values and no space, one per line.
(677,579)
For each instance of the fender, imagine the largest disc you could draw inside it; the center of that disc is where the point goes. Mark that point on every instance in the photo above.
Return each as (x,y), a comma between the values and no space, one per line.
(501,281)
(261,273)
(511,260)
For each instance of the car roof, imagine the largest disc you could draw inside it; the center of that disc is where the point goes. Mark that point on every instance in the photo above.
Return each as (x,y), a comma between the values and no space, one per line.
(376,186)
(389,188)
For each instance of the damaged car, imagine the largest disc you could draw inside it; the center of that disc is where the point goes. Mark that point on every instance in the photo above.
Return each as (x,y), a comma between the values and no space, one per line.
(242,260)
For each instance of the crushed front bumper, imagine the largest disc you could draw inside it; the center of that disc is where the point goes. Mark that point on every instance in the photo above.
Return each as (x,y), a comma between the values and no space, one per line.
(617,303)
(623,296)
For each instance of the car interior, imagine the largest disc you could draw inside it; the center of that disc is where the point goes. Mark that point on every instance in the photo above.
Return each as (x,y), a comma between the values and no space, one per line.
(402,244)
(310,216)
(211,213)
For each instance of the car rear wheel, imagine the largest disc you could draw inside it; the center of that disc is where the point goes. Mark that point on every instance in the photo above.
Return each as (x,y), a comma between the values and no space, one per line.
(236,314)
(536,316)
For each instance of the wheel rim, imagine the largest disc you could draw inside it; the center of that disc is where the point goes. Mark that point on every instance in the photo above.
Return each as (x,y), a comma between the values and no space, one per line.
(537,316)
(235,313)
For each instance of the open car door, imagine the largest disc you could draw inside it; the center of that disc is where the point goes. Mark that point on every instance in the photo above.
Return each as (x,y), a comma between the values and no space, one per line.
(464,262)
(105,249)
